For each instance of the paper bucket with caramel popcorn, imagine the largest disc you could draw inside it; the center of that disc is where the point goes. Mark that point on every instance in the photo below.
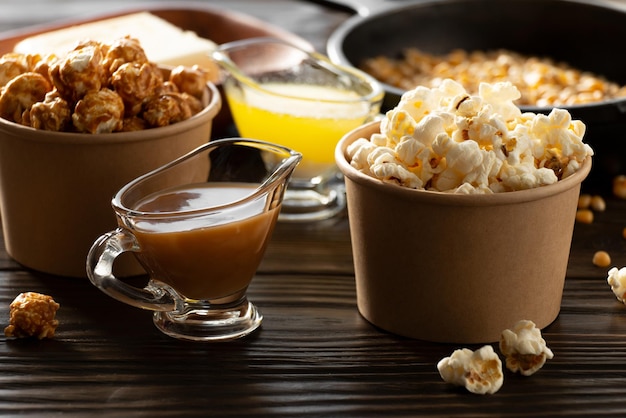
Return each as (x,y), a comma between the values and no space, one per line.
(457,268)
(74,129)
(56,187)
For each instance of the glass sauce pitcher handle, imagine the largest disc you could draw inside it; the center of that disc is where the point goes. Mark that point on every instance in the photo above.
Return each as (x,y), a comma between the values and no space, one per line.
(100,262)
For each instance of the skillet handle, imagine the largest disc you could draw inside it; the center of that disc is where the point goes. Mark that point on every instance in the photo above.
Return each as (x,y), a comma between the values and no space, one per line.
(360,7)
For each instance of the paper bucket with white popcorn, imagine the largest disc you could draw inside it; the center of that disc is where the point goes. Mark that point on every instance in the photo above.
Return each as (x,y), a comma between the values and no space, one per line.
(457,268)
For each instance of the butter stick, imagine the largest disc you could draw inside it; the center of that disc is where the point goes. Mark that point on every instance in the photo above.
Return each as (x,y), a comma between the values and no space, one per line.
(163,42)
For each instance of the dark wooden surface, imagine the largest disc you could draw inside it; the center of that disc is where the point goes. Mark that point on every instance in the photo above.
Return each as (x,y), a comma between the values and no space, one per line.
(315,355)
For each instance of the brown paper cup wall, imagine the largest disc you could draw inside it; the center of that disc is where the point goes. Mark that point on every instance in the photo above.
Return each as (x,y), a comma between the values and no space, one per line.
(457,268)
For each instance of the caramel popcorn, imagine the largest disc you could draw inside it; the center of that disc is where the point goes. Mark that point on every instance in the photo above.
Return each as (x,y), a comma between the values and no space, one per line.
(524,348)
(444,139)
(80,71)
(617,280)
(12,65)
(98,112)
(136,83)
(19,95)
(52,114)
(32,315)
(479,371)
(96,88)
(123,51)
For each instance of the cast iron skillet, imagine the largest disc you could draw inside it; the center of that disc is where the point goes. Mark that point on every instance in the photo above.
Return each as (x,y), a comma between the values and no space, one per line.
(587,34)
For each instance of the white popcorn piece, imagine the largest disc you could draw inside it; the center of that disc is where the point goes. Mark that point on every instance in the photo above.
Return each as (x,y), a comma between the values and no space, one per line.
(478,371)
(524,348)
(617,280)
(450,141)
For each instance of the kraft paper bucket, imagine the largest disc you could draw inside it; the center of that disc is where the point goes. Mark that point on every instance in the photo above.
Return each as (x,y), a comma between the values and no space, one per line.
(56,187)
(457,268)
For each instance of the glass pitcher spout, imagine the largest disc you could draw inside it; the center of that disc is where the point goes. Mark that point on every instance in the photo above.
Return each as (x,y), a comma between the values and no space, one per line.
(286,94)
(272,60)
(263,167)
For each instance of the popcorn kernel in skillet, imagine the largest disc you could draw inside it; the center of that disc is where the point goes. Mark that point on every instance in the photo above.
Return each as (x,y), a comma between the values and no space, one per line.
(478,371)
(601,259)
(524,348)
(624,233)
(541,81)
(617,280)
(32,315)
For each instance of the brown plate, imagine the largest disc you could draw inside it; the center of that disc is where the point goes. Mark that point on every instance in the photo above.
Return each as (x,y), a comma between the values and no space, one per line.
(216,24)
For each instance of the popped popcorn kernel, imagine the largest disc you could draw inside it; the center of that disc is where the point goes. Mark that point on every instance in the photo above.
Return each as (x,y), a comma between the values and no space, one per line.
(32,315)
(601,259)
(478,371)
(524,348)
(617,280)
(445,139)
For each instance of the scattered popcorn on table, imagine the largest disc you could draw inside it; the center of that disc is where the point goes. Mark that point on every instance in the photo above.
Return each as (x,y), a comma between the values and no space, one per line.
(617,280)
(524,348)
(32,315)
(479,371)
(443,139)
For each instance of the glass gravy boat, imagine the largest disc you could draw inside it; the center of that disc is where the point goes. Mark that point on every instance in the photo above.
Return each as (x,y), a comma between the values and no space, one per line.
(199,226)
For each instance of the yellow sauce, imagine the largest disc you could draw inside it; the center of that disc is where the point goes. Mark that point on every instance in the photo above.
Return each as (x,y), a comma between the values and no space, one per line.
(312,126)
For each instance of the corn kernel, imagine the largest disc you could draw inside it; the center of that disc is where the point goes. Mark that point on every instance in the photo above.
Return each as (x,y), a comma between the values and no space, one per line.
(624,233)
(584,216)
(601,259)
(584,201)
(619,186)
(541,82)
(597,203)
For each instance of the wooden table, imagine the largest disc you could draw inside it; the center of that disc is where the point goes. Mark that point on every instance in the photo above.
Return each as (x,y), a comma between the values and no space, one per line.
(315,355)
